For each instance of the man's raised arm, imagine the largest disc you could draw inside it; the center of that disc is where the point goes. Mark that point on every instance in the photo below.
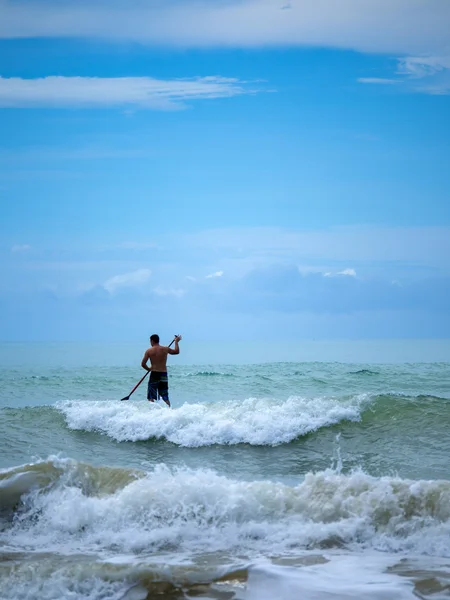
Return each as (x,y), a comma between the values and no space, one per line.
(176,349)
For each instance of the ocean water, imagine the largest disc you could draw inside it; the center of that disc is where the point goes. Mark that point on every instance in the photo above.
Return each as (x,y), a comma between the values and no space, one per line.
(320,479)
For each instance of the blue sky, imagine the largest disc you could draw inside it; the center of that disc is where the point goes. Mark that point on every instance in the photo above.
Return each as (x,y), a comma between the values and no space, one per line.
(230,169)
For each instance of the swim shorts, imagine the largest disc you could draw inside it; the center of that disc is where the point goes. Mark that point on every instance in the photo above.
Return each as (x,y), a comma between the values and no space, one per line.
(158,384)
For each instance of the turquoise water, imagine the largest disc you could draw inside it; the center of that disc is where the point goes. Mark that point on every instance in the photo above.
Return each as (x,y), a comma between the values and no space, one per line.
(263,478)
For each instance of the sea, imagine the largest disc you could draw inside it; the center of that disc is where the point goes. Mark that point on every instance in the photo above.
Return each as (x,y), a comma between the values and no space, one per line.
(300,471)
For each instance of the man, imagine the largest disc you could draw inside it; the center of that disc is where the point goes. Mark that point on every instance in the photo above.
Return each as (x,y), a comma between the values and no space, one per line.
(158,382)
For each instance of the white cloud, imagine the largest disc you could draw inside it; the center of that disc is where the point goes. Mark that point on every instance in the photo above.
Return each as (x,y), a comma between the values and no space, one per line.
(423,66)
(144,92)
(162,291)
(345,272)
(213,275)
(411,27)
(348,272)
(425,74)
(19,248)
(127,280)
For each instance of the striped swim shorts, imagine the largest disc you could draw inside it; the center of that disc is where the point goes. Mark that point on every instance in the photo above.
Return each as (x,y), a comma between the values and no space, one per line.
(158,385)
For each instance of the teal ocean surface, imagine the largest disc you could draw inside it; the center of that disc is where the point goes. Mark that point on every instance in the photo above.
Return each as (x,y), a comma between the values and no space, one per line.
(280,478)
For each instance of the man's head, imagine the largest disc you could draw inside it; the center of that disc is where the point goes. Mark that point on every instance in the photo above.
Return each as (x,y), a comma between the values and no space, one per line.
(154,339)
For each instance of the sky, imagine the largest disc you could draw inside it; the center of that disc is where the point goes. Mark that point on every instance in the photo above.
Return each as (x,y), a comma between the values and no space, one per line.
(232,170)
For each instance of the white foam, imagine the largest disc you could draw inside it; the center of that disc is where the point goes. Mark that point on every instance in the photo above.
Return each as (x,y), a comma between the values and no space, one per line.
(344,577)
(199,511)
(53,578)
(253,421)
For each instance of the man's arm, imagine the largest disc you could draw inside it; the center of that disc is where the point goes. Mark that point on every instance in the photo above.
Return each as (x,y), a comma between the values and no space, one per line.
(145,361)
(176,349)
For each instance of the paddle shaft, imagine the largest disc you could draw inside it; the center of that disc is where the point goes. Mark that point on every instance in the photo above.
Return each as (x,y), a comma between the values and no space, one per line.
(138,384)
(141,380)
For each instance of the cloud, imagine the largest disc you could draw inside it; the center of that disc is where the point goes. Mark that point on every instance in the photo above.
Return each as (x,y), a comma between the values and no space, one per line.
(214,275)
(373,271)
(20,248)
(281,288)
(412,27)
(128,280)
(424,74)
(386,253)
(162,291)
(423,66)
(427,246)
(92,92)
(427,74)
(345,272)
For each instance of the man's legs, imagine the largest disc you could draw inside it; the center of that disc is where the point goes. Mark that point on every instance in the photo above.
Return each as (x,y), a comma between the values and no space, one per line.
(152,390)
(163,388)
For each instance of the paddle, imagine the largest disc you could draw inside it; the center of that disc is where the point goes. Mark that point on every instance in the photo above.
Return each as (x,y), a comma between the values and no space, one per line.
(140,381)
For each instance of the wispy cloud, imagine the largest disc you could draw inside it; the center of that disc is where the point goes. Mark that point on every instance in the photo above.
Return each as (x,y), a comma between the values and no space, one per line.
(345,272)
(91,92)
(163,291)
(214,275)
(427,74)
(424,74)
(127,280)
(348,272)
(399,26)
(423,66)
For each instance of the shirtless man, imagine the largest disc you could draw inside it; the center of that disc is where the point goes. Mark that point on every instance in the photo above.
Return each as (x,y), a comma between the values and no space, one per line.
(158,382)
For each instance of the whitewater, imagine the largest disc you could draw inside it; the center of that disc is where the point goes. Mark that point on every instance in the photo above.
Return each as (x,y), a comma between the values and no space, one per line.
(279,480)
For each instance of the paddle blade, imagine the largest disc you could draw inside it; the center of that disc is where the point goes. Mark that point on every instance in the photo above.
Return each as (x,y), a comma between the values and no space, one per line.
(126,398)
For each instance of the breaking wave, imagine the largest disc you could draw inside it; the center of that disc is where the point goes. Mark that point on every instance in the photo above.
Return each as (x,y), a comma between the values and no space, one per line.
(65,506)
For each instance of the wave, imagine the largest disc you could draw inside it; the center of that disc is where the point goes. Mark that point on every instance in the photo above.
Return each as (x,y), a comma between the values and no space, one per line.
(16,482)
(209,374)
(78,508)
(364,372)
(405,412)
(253,421)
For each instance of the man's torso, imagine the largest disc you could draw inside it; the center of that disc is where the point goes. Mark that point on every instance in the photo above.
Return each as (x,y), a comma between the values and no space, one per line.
(158,358)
